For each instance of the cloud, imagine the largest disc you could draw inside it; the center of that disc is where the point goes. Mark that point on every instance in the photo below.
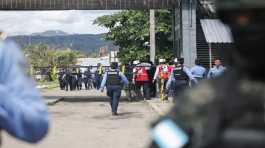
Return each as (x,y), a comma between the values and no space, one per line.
(71,21)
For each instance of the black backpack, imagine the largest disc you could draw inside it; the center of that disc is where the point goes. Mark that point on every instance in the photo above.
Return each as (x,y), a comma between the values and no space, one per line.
(180,74)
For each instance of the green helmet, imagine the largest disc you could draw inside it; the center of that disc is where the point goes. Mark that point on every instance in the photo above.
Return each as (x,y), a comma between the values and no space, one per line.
(240,4)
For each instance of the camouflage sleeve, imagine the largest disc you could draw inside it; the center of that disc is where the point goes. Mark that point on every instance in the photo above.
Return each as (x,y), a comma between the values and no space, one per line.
(192,114)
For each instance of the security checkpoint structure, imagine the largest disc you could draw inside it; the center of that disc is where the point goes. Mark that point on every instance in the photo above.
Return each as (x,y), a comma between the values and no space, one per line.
(184,13)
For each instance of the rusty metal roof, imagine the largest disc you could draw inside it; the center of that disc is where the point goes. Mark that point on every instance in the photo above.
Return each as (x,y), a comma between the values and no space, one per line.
(86,4)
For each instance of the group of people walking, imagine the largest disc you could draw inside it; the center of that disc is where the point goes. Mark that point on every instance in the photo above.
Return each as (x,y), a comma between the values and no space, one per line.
(170,78)
(140,79)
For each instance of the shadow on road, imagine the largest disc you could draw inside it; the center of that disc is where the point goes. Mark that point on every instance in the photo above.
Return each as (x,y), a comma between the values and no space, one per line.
(121,116)
(79,99)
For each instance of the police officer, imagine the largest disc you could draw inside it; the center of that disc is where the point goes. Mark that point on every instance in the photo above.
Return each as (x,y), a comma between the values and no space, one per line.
(60,79)
(114,80)
(153,87)
(68,79)
(73,79)
(217,70)
(88,78)
(98,75)
(23,113)
(179,78)
(79,79)
(198,71)
(129,75)
(227,112)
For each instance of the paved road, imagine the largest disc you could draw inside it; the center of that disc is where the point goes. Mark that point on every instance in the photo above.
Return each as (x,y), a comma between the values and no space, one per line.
(84,121)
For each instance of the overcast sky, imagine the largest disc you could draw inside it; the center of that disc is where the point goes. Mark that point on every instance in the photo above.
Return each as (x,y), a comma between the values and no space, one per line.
(73,21)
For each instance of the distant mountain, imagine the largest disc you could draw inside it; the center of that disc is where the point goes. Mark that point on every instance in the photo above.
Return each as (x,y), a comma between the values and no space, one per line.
(58,39)
(50,33)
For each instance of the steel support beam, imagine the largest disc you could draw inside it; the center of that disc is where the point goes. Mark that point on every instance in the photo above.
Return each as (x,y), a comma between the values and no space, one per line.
(86,4)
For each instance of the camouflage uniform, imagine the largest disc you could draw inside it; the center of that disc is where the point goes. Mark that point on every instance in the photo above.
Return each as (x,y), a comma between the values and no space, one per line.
(228,112)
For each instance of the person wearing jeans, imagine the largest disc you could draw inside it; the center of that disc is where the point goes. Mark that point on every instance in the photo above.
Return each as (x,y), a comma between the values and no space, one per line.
(114,80)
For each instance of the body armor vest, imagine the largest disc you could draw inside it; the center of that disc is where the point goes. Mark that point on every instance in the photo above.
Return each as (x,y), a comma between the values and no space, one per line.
(113,78)
(179,74)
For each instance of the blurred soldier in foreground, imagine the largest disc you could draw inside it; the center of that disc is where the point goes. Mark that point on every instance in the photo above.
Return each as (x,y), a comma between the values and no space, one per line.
(114,80)
(23,113)
(227,112)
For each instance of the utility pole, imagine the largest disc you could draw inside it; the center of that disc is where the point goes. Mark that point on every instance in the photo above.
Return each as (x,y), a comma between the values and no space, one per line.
(152,36)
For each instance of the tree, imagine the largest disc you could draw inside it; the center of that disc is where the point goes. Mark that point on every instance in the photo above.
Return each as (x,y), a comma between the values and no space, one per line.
(129,29)
(41,55)
(38,55)
(67,57)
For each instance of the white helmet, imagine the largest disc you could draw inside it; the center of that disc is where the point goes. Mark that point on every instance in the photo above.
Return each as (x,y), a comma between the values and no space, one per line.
(176,60)
(162,60)
(136,62)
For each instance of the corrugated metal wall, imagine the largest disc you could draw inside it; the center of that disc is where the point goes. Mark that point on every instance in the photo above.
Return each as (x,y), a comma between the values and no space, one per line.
(85,4)
(203,47)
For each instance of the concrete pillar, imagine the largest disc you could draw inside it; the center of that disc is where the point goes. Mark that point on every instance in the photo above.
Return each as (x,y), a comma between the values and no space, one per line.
(177,37)
(188,27)
(152,36)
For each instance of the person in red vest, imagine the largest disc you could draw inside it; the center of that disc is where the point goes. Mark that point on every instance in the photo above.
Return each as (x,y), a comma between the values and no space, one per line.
(162,75)
(141,79)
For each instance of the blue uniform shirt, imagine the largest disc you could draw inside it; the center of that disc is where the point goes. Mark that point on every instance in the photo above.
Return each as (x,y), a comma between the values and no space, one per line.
(198,71)
(105,77)
(216,72)
(172,78)
(23,113)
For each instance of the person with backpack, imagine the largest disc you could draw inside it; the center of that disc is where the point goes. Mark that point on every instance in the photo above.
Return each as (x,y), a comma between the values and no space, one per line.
(114,80)
(179,78)
(141,79)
